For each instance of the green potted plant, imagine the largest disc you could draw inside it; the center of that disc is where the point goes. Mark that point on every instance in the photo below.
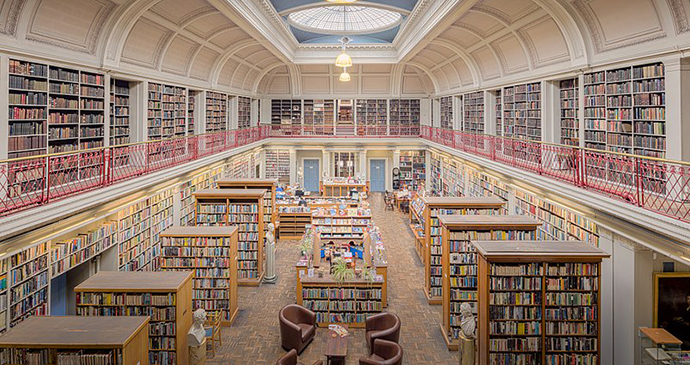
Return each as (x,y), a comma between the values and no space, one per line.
(341,272)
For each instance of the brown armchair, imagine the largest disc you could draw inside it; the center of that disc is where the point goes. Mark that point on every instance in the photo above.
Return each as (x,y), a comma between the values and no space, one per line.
(385,326)
(385,353)
(297,327)
(291,359)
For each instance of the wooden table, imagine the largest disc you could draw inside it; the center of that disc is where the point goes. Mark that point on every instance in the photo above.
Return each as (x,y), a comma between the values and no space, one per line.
(399,200)
(336,347)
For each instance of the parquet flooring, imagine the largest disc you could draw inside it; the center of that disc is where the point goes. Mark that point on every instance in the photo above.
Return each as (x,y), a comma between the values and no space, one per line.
(254,338)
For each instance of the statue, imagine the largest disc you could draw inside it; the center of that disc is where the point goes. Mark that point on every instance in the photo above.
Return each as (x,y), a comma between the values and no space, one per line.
(196,338)
(270,277)
(468,325)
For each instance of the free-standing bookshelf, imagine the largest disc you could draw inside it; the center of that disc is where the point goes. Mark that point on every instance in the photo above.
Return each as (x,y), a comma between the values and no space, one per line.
(270,185)
(426,210)
(460,264)
(211,252)
(243,208)
(539,302)
(77,340)
(164,296)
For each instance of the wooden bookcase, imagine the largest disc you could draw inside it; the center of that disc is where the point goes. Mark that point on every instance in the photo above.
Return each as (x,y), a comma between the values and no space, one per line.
(342,227)
(412,170)
(119,112)
(216,112)
(286,112)
(404,113)
(29,284)
(426,210)
(460,264)
(69,253)
(164,296)
(474,112)
(244,112)
(270,185)
(77,340)
(293,225)
(243,208)
(557,321)
(211,252)
(570,124)
(446,103)
(342,189)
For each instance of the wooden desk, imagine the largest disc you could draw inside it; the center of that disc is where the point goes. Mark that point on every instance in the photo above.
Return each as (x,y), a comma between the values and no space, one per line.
(336,347)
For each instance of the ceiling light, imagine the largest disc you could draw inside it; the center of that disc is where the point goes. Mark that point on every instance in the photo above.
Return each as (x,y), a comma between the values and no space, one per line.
(343,59)
(344,77)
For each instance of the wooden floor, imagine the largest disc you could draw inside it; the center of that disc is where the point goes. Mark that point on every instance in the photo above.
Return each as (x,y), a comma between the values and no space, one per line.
(254,338)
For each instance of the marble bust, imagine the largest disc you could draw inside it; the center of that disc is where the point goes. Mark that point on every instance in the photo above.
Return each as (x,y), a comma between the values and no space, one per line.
(197,333)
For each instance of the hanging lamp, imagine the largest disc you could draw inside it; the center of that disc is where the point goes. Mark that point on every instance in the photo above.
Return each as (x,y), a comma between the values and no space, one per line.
(343,59)
(344,77)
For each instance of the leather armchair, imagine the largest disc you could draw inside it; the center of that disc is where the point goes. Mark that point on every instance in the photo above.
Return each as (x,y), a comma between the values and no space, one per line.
(291,359)
(297,327)
(385,326)
(385,353)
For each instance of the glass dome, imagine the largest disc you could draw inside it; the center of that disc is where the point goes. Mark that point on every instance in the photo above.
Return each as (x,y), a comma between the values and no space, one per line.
(344,19)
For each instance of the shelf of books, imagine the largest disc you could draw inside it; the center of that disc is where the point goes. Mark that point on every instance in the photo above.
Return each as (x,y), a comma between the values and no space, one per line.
(164,296)
(473,121)
(570,124)
(412,170)
(202,181)
(278,165)
(319,114)
(483,184)
(435,173)
(446,103)
(350,303)
(216,112)
(498,112)
(348,225)
(77,340)
(539,302)
(293,221)
(269,208)
(371,112)
(286,111)
(433,250)
(418,221)
(155,112)
(404,112)
(119,112)
(240,167)
(508,99)
(28,283)
(460,264)
(191,101)
(4,270)
(243,208)
(174,105)
(558,222)
(211,253)
(452,178)
(244,112)
(595,110)
(28,109)
(527,108)
(69,253)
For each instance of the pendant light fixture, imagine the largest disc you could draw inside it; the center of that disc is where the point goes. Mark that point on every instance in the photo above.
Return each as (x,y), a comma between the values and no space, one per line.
(344,77)
(343,59)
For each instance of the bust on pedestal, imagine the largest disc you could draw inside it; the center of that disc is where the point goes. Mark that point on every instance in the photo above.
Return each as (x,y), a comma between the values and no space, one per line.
(196,338)
(270,277)
(468,325)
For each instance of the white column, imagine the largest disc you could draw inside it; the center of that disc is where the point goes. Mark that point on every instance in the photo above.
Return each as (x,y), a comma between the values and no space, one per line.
(581,108)
(326,162)
(363,165)
(550,121)
(293,167)
(490,113)
(678,109)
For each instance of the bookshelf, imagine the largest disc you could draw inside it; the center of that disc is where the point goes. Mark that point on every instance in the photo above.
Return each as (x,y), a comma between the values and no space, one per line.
(473,121)
(526,109)
(243,208)
(371,112)
(69,253)
(286,112)
(570,124)
(28,109)
(557,320)
(426,211)
(119,112)
(278,165)
(4,270)
(332,226)
(348,303)
(483,184)
(293,222)
(460,264)
(164,296)
(447,112)
(154,114)
(211,252)
(595,110)
(320,114)
(452,178)
(174,105)
(191,101)
(412,165)
(77,340)
(216,112)
(404,112)
(29,286)
(199,182)
(435,173)
(269,206)
(508,99)
(244,112)
(498,112)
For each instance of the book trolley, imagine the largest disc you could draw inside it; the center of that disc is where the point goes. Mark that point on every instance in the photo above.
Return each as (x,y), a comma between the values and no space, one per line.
(459,259)
(539,302)
(77,340)
(211,252)
(425,210)
(164,296)
(243,208)
(270,214)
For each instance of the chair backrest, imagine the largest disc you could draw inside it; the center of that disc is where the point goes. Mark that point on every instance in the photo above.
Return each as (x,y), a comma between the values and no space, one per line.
(388,350)
(288,359)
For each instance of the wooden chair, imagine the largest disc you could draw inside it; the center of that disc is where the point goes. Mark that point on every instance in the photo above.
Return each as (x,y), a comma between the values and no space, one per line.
(388,200)
(212,327)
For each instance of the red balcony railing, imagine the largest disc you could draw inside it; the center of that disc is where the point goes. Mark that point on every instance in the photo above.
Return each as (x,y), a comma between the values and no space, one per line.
(31,181)
(658,185)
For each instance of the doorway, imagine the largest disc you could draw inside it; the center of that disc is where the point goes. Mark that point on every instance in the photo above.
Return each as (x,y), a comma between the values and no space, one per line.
(311,175)
(377,171)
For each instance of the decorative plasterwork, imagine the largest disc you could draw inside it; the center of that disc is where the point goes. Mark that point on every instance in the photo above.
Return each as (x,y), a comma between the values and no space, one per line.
(9,13)
(680,16)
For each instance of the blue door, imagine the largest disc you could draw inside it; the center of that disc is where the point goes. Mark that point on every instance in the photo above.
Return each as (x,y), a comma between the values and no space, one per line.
(311,175)
(377,169)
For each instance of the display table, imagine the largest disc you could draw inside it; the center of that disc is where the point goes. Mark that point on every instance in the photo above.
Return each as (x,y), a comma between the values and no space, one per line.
(333,188)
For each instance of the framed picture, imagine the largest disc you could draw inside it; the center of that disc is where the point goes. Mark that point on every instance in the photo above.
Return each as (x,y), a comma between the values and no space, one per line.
(672,304)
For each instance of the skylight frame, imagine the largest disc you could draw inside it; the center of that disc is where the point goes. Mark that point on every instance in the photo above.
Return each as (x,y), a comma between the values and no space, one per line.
(329,19)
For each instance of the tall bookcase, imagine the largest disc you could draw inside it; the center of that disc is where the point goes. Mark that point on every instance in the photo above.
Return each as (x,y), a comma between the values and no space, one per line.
(29,287)
(119,112)
(167,111)
(404,112)
(286,112)
(77,340)
(243,208)
(426,210)
(371,112)
(539,302)
(595,110)
(522,115)
(412,170)
(460,264)
(498,112)
(320,113)
(278,165)
(216,112)
(199,182)
(570,124)
(473,121)
(154,112)
(447,112)
(244,112)
(69,253)
(211,252)
(191,108)
(28,109)
(164,296)
(508,111)
(269,201)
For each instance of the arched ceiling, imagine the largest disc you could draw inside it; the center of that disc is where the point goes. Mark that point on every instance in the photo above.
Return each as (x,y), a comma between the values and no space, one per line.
(448,46)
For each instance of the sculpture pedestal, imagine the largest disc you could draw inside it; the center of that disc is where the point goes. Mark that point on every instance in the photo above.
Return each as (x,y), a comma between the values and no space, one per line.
(270,277)
(466,350)
(197,354)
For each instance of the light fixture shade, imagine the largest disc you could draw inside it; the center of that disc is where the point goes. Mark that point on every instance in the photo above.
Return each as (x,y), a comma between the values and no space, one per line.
(344,77)
(343,60)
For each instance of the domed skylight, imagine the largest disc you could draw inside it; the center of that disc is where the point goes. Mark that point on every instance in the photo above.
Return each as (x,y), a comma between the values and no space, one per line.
(344,19)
